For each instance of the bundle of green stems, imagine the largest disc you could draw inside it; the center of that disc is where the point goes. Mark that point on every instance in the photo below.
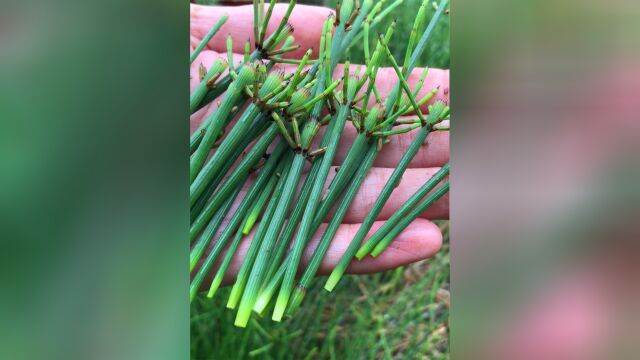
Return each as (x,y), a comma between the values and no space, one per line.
(278,131)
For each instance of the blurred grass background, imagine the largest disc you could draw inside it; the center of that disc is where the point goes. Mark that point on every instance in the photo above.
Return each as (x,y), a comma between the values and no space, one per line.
(400,314)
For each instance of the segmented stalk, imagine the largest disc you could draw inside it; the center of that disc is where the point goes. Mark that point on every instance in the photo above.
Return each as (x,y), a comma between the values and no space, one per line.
(304,232)
(238,290)
(218,120)
(207,235)
(275,226)
(332,228)
(258,204)
(417,23)
(337,273)
(392,183)
(231,141)
(234,222)
(252,157)
(203,243)
(403,211)
(204,198)
(404,222)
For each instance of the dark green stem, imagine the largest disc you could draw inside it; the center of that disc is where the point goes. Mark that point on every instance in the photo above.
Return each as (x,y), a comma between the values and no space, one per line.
(403,211)
(405,221)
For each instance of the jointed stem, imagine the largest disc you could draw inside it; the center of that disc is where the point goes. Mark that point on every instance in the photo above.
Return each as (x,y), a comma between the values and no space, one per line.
(330,232)
(203,243)
(304,232)
(238,289)
(275,226)
(244,167)
(337,273)
(259,203)
(405,221)
(400,213)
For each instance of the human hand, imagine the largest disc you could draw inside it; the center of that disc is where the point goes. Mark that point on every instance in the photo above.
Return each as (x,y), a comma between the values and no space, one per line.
(422,238)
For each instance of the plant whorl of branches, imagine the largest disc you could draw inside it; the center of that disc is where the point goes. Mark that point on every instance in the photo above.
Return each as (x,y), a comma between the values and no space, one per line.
(286,111)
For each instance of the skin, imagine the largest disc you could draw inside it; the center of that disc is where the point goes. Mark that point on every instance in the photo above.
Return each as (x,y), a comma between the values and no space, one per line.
(422,239)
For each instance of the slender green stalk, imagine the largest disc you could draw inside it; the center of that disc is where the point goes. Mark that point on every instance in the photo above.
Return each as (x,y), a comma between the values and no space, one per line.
(374,64)
(207,235)
(224,266)
(238,289)
(247,201)
(223,152)
(207,37)
(338,46)
(256,21)
(332,228)
(405,221)
(304,232)
(323,209)
(403,83)
(200,247)
(252,157)
(256,209)
(393,181)
(218,119)
(356,26)
(259,204)
(417,23)
(337,273)
(269,289)
(272,40)
(202,201)
(263,31)
(403,211)
(236,135)
(257,272)
(196,136)
(348,167)
(296,215)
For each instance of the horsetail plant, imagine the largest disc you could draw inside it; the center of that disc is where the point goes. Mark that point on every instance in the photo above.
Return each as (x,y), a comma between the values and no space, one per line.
(287,109)
(390,104)
(436,114)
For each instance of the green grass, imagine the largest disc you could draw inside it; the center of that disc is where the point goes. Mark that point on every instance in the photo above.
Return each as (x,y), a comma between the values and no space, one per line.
(395,314)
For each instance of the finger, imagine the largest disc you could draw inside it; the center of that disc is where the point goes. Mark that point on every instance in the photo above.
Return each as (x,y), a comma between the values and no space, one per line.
(420,240)
(371,187)
(306,21)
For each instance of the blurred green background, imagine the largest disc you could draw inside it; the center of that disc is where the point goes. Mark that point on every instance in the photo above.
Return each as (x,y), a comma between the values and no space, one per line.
(402,313)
